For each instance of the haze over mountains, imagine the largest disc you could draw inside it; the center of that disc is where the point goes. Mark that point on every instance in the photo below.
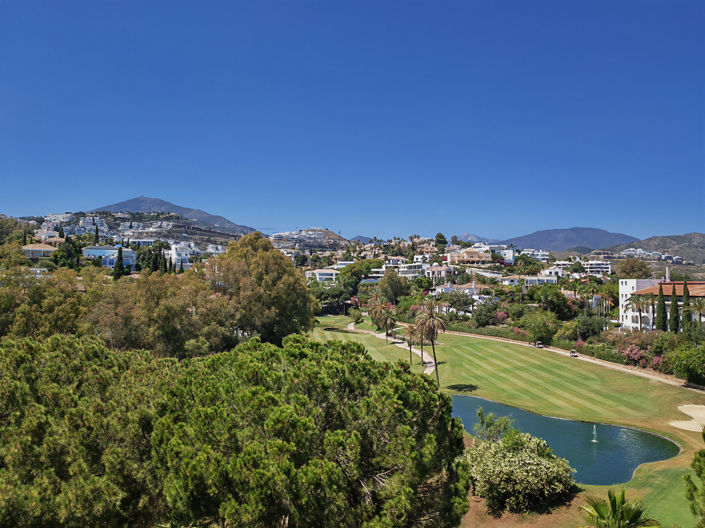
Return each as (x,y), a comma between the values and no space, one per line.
(145,204)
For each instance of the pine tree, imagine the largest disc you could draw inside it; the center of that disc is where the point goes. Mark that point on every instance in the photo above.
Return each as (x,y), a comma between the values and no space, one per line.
(674,319)
(685,316)
(95,236)
(661,317)
(119,269)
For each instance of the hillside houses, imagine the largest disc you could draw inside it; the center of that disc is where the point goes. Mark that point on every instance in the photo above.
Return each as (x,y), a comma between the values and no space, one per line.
(108,256)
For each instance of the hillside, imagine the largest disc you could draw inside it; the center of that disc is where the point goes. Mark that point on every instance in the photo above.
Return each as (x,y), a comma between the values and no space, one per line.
(564,239)
(144,204)
(690,246)
(470,237)
(314,238)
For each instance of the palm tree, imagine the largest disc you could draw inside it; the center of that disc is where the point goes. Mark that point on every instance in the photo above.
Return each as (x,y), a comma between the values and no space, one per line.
(616,512)
(377,308)
(430,323)
(388,323)
(410,335)
(637,303)
(698,306)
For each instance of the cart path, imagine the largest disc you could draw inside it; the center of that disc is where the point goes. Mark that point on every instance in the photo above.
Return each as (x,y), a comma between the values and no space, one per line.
(425,358)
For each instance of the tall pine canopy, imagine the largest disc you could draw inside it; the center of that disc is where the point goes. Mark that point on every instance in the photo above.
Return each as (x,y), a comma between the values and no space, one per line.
(674,318)
(308,434)
(661,316)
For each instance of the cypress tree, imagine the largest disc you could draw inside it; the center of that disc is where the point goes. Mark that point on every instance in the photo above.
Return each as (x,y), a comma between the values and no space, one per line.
(61,232)
(661,317)
(685,316)
(162,263)
(24,238)
(181,267)
(170,268)
(153,260)
(95,235)
(119,269)
(674,319)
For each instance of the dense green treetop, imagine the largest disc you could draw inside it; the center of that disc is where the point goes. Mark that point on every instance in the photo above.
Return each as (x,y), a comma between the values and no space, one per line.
(310,434)
(632,268)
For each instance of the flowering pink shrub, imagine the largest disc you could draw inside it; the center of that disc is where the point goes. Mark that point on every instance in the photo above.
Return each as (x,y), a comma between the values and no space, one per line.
(634,355)
(656,363)
(579,345)
(519,331)
(500,317)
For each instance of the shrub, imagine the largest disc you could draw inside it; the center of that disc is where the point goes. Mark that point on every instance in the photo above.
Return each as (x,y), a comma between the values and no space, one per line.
(689,364)
(516,311)
(589,325)
(500,317)
(664,342)
(541,325)
(519,332)
(519,473)
(605,352)
(355,315)
(568,331)
(633,355)
(483,315)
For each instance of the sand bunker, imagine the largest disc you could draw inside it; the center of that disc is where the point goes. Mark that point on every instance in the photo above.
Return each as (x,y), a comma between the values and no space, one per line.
(698,421)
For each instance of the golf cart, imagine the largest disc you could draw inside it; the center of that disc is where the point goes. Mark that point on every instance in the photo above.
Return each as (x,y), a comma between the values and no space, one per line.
(573,353)
(539,344)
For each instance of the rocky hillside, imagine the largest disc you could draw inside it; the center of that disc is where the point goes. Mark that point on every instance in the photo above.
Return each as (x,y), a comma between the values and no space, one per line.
(144,204)
(690,246)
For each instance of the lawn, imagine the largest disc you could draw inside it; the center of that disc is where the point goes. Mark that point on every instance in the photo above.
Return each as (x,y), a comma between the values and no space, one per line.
(334,327)
(555,385)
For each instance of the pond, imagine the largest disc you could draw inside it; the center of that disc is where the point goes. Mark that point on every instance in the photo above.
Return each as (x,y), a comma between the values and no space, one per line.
(611,459)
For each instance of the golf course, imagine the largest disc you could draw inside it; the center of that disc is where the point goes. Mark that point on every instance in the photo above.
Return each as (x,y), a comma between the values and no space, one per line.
(552,384)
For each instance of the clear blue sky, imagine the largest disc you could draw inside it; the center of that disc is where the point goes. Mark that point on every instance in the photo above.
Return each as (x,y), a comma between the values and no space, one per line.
(368,117)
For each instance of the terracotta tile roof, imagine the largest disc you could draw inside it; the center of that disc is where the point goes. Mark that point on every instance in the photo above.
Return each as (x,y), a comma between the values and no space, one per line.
(695,289)
(45,247)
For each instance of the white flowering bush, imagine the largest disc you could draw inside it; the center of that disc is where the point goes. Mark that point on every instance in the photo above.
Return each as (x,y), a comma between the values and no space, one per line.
(518,472)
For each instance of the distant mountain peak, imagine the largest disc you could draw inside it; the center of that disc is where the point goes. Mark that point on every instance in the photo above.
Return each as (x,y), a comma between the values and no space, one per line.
(564,239)
(470,237)
(146,204)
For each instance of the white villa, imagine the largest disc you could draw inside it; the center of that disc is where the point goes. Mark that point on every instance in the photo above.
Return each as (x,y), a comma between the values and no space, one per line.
(323,275)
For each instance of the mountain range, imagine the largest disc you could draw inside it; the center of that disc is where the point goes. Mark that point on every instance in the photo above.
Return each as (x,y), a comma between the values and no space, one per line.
(564,239)
(145,204)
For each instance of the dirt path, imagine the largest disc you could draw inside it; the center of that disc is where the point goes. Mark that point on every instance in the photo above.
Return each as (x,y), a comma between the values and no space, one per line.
(425,358)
